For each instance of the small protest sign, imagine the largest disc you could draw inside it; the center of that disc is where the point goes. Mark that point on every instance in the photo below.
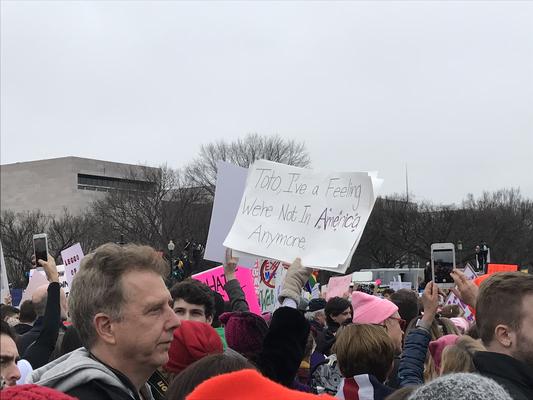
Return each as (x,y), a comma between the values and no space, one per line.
(72,257)
(268,278)
(288,212)
(338,286)
(215,279)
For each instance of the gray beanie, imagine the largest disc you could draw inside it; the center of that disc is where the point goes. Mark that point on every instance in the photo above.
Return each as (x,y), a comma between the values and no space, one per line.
(460,387)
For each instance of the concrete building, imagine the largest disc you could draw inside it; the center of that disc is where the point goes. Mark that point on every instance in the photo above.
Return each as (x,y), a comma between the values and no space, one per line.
(67,182)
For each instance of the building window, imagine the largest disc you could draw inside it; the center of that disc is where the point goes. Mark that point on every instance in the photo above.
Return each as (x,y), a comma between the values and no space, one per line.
(107,183)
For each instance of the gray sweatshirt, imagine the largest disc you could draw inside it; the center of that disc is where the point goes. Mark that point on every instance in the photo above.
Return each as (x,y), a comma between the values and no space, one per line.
(78,368)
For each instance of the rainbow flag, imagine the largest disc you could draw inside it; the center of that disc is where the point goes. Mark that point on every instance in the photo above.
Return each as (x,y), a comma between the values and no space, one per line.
(313,279)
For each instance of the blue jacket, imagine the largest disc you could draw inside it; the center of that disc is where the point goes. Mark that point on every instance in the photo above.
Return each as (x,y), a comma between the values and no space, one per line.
(411,370)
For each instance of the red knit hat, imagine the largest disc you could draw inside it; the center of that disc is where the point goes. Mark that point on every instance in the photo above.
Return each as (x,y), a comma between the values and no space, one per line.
(32,392)
(192,341)
(248,384)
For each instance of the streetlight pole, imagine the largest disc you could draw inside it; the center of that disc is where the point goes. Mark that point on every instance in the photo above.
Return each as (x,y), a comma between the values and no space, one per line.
(459,251)
(171,246)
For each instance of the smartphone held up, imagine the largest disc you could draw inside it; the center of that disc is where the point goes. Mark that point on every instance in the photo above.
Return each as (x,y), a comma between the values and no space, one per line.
(40,247)
(442,264)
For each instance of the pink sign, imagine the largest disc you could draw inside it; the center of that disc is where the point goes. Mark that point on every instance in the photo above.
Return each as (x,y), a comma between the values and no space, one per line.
(338,286)
(215,279)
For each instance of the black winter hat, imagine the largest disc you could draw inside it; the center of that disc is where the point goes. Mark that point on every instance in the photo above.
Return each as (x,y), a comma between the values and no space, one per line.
(316,304)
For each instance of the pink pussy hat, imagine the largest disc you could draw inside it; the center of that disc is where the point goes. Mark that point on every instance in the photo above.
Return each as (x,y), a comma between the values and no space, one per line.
(368,309)
(436,347)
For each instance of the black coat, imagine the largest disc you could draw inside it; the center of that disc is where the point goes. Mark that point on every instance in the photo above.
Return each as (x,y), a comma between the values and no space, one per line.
(284,346)
(515,376)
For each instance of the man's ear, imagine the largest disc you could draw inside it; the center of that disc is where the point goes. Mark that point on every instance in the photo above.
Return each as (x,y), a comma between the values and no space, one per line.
(209,319)
(504,335)
(104,328)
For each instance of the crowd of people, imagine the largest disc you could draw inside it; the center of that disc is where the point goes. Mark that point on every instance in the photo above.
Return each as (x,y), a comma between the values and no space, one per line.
(124,335)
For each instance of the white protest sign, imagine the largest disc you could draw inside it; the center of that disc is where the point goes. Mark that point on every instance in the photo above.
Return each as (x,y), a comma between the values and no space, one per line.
(288,212)
(231,181)
(4,283)
(72,257)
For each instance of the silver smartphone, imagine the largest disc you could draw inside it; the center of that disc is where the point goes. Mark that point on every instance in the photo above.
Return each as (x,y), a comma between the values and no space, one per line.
(40,247)
(442,264)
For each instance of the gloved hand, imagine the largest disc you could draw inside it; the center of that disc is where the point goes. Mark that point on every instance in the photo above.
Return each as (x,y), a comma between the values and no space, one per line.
(297,277)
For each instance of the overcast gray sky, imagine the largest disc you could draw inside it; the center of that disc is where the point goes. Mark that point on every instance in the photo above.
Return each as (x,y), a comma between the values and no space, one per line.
(444,87)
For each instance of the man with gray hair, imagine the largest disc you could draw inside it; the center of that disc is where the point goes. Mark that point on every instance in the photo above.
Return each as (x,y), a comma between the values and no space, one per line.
(316,316)
(123,313)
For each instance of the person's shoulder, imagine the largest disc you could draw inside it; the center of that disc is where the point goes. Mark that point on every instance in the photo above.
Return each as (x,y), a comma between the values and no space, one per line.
(97,390)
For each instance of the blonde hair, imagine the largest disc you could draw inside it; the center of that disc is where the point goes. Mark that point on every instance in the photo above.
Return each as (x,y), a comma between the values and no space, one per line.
(459,357)
(364,349)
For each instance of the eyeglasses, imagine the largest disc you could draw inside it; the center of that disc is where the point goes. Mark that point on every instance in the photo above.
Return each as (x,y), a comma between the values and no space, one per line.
(402,322)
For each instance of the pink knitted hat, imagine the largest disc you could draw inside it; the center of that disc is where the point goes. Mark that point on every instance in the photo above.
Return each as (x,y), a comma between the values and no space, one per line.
(368,309)
(436,347)
(460,323)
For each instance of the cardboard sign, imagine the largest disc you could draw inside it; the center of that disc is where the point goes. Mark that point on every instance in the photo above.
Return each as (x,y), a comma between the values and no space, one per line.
(4,283)
(231,181)
(72,257)
(494,268)
(338,285)
(288,212)
(215,279)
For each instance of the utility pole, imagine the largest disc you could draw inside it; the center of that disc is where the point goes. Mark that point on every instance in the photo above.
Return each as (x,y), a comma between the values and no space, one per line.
(406,184)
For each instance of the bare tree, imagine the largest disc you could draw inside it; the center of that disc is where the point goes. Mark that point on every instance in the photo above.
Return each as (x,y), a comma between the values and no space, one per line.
(154,209)
(17,234)
(202,171)
(63,231)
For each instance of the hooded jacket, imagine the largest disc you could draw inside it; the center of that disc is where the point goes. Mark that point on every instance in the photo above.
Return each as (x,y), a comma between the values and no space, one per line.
(81,375)
(515,376)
